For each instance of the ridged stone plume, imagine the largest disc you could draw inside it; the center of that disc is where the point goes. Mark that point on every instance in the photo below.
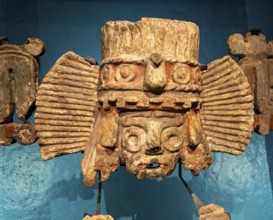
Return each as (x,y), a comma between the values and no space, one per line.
(227,108)
(66,104)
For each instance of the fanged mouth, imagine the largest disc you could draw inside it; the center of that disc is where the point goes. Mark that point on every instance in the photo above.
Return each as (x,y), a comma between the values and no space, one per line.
(153,166)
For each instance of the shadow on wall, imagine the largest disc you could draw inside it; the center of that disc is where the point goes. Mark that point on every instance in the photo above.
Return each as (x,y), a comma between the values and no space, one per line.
(34,189)
(127,197)
(70,190)
(69,199)
(269,152)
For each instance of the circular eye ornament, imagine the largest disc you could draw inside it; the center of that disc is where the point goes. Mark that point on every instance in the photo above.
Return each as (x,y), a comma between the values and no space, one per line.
(125,73)
(105,73)
(181,74)
(172,139)
(197,74)
(133,139)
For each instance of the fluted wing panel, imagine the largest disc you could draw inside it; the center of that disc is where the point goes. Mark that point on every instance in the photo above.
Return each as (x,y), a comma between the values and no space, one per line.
(227,107)
(66,104)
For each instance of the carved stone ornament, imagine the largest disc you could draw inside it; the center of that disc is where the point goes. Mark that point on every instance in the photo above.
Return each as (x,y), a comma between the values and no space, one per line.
(23,133)
(148,105)
(98,217)
(19,70)
(213,212)
(255,55)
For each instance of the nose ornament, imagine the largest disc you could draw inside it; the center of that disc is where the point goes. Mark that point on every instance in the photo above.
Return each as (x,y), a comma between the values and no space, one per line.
(155,75)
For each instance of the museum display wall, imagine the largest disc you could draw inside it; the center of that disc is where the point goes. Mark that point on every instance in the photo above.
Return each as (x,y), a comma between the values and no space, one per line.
(31,188)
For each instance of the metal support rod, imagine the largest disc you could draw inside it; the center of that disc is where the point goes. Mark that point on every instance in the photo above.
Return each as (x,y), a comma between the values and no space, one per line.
(197,202)
(99,195)
(183,181)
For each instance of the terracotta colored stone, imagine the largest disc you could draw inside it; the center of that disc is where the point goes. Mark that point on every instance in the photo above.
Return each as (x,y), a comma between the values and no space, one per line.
(23,133)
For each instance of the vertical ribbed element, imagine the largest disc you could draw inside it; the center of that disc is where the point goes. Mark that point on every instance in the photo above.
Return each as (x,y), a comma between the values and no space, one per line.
(173,39)
(227,107)
(19,72)
(66,104)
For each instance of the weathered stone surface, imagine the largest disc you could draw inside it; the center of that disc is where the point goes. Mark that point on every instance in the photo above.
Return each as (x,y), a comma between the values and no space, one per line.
(101,155)
(255,55)
(98,217)
(213,212)
(19,72)
(152,142)
(5,137)
(66,106)
(34,46)
(155,104)
(227,108)
(125,41)
(23,133)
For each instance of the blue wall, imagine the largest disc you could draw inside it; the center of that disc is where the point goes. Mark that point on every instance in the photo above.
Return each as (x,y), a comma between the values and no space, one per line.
(34,189)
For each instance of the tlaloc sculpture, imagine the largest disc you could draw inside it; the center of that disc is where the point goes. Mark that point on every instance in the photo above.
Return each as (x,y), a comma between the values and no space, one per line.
(255,55)
(19,70)
(148,105)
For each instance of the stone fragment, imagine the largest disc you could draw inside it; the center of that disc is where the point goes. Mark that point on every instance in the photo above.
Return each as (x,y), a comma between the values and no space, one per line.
(23,133)
(98,217)
(213,212)
(34,46)
(18,80)
(255,55)
(19,71)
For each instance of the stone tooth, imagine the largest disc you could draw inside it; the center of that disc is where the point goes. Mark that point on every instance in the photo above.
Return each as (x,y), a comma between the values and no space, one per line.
(156,100)
(100,101)
(132,100)
(105,104)
(121,103)
(143,103)
(112,98)
(187,104)
(168,103)
(179,101)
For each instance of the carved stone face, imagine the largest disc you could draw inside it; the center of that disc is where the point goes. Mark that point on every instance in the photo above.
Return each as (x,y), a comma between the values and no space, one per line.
(150,142)
(147,105)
